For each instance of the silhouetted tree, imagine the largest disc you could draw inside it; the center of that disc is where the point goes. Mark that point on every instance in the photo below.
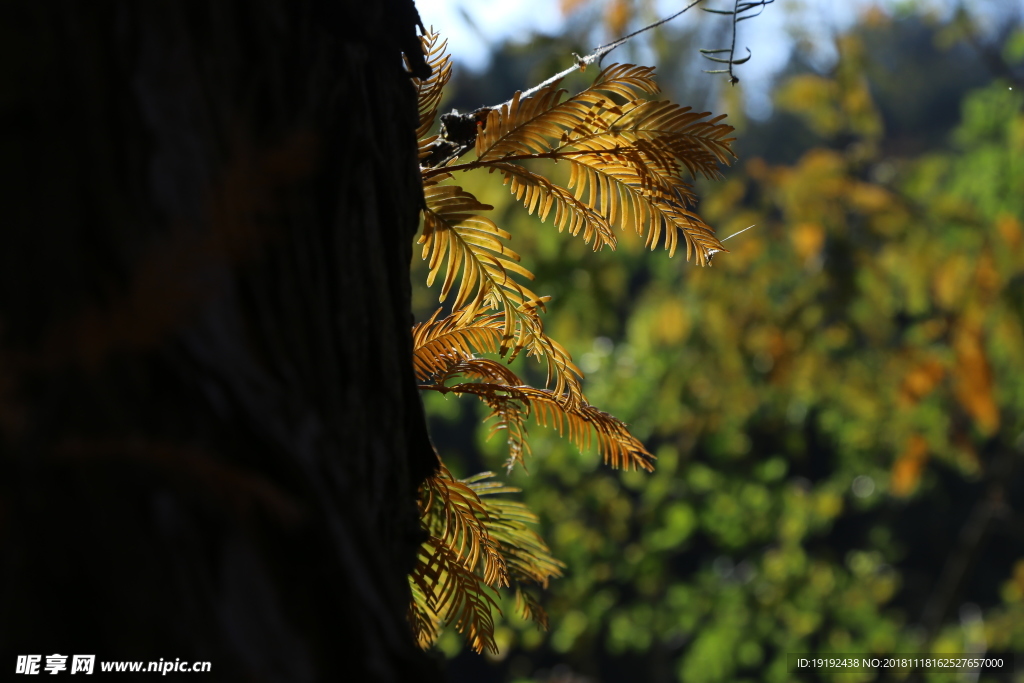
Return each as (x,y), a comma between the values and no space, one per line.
(210,435)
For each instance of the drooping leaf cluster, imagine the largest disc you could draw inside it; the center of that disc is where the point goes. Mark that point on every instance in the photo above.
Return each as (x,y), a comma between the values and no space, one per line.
(627,156)
(478,542)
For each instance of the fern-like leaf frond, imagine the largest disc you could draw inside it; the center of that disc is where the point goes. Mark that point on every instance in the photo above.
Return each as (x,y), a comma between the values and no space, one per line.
(483,369)
(627,157)
(628,189)
(439,344)
(472,244)
(457,518)
(425,623)
(511,403)
(457,239)
(528,127)
(561,371)
(453,593)
(430,90)
(685,135)
(477,542)
(527,607)
(618,448)
(541,195)
(528,556)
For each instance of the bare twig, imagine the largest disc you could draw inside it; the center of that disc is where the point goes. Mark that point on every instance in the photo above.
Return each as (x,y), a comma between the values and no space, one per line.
(599,52)
(741,231)
(458,131)
(712,252)
(738,8)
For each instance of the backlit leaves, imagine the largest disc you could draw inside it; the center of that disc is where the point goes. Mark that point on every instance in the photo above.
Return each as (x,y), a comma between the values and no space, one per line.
(439,344)
(627,156)
(627,160)
(478,542)
(429,91)
(511,403)
(460,239)
(454,231)
(446,590)
(541,195)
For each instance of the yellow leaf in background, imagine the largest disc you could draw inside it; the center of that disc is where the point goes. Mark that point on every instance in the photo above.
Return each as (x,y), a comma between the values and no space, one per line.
(767,340)
(868,198)
(808,239)
(974,382)
(729,196)
(815,99)
(760,171)
(673,323)
(950,281)
(921,380)
(616,17)
(986,277)
(906,471)
(874,16)
(828,168)
(617,13)
(1009,228)
(810,190)
(570,6)
(862,116)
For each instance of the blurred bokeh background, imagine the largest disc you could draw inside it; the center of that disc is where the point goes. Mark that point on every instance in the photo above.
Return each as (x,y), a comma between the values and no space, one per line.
(837,405)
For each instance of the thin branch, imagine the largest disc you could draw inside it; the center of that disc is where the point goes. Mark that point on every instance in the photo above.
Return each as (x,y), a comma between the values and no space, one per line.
(458,130)
(599,52)
(712,252)
(740,232)
(469,166)
(738,8)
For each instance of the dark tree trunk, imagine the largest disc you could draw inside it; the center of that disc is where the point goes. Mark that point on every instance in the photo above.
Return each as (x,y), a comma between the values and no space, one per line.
(210,436)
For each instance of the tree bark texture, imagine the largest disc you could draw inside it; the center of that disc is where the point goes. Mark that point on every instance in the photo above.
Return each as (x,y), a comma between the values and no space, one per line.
(210,436)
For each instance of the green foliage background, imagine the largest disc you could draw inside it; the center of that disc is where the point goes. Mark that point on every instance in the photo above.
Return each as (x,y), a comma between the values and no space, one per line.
(837,405)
